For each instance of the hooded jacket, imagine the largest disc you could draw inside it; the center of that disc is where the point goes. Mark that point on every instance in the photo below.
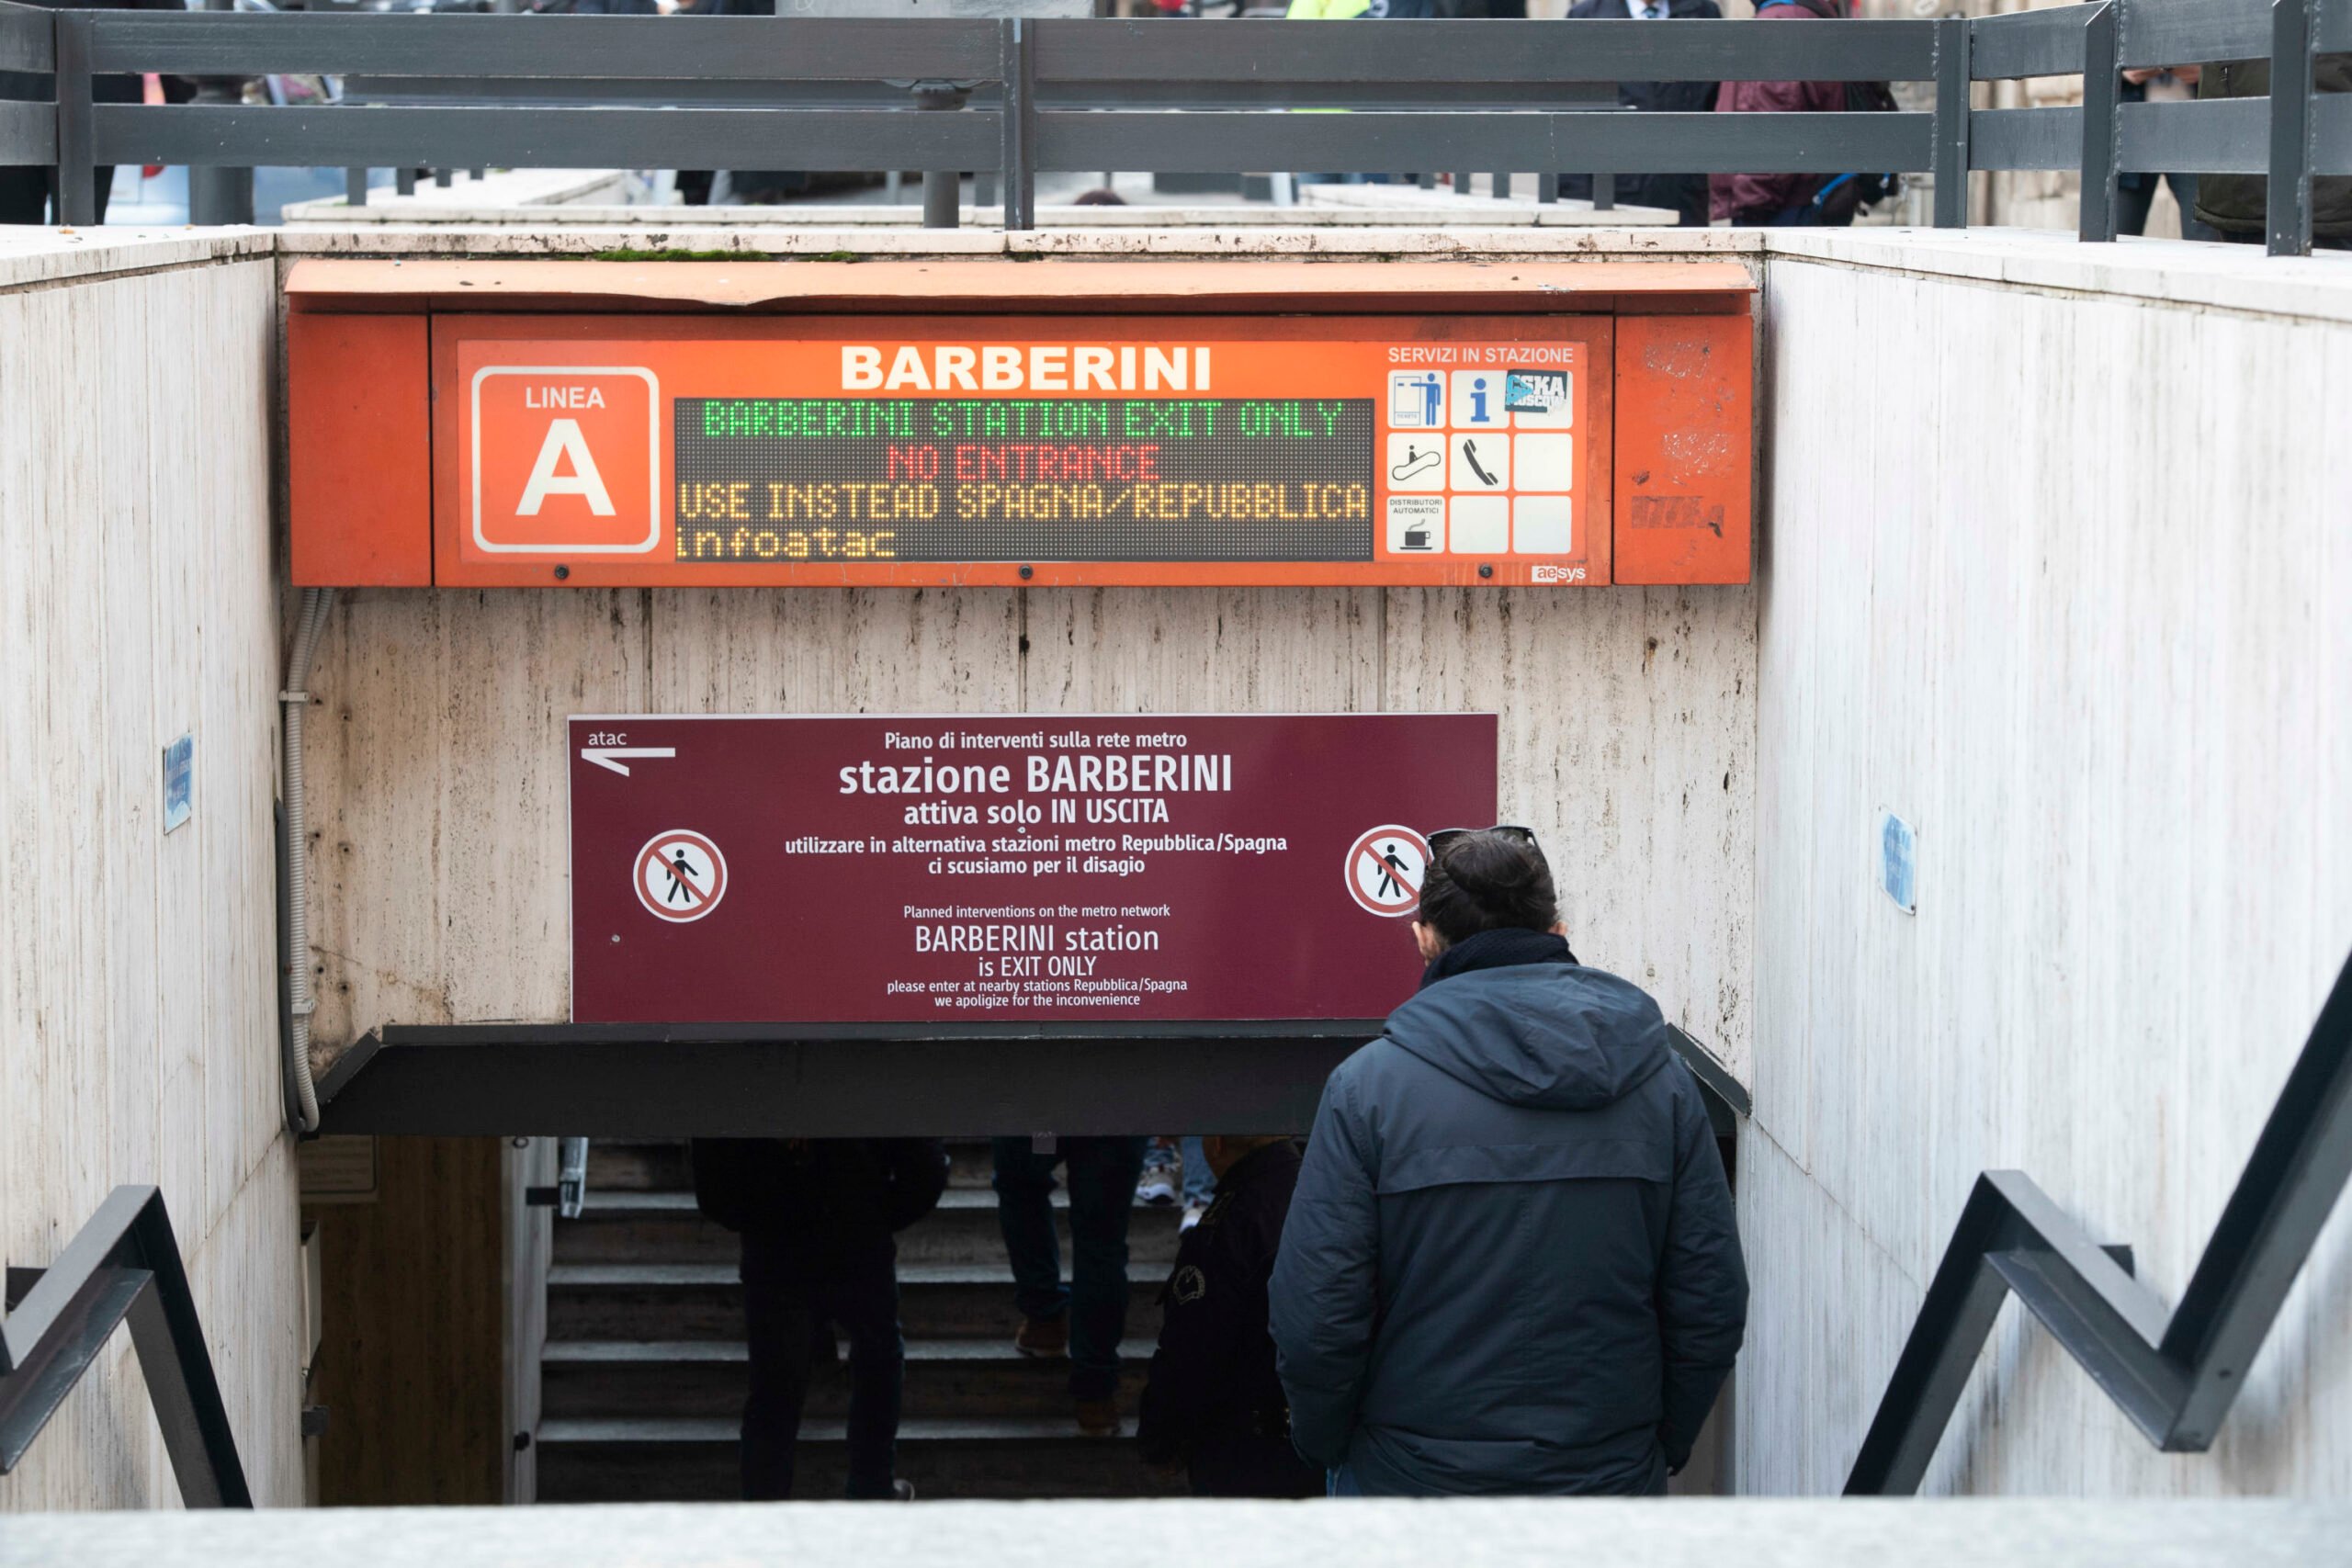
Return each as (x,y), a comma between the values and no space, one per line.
(1510,1264)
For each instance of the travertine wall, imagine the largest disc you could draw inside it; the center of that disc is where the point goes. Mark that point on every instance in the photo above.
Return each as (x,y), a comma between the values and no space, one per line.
(438,775)
(138,981)
(2078,614)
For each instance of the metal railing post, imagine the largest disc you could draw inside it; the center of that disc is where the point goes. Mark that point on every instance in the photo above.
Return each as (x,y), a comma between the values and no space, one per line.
(354,187)
(943,189)
(77,170)
(2102,92)
(1604,193)
(1017,52)
(2287,205)
(1950,152)
(217,194)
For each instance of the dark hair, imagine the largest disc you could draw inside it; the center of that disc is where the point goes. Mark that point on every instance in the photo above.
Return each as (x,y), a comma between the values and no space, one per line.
(1103,195)
(1488,881)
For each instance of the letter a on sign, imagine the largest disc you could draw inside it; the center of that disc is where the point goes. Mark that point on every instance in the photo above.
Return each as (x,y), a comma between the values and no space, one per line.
(561,462)
(564,442)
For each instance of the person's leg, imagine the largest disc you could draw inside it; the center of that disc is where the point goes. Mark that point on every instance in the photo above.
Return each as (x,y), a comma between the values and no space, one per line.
(2131,204)
(778,1328)
(1025,1212)
(863,1298)
(1200,1181)
(24,195)
(105,183)
(2184,191)
(1159,1187)
(1102,1174)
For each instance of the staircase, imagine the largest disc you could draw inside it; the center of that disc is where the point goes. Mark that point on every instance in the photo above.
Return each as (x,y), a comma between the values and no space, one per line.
(643,1376)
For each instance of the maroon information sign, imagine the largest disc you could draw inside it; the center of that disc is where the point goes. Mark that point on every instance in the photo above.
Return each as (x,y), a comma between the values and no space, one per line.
(1109,870)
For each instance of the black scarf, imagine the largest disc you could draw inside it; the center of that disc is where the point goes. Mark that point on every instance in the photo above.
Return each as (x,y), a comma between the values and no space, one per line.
(1502,948)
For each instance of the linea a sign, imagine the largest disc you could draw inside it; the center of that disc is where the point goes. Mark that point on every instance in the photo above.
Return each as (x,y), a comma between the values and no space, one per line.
(1110,869)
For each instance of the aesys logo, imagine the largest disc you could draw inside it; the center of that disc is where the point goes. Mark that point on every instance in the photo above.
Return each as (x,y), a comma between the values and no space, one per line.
(567,459)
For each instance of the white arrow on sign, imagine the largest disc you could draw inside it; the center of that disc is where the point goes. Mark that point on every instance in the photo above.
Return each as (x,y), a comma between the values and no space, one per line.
(605,756)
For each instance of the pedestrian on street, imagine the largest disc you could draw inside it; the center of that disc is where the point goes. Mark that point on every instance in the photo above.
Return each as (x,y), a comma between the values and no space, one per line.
(1086,1319)
(1780,200)
(817,1218)
(1213,1404)
(1683,195)
(1177,1169)
(2238,205)
(29,193)
(1510,1264)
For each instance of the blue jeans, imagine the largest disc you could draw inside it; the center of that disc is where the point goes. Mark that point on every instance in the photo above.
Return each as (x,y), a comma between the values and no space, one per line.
(1341,1481)
(1200,1181)
(1100,1174)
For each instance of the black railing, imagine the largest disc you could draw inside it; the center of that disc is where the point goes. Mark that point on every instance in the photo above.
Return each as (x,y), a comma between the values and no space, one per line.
(123,1267)
(2173,1374)
(1015,97)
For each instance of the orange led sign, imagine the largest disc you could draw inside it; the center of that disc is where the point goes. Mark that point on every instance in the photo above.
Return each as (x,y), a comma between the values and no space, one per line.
(1104,446)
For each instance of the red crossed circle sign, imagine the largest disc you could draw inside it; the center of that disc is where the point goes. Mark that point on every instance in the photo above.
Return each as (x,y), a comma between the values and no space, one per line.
(681,875)
(1384,870)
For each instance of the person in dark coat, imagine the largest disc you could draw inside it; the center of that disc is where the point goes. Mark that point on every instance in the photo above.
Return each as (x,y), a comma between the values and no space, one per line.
(1510,1264)
(1683,195)
(2238,205)
(1778,200)
(817,1217)
(1213,1404)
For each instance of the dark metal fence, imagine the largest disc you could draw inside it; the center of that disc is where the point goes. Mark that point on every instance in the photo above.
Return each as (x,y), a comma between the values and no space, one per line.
(123,1267)
(1017,97)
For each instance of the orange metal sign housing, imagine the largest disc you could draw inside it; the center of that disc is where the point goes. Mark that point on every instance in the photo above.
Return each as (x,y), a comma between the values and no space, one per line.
(1031,445)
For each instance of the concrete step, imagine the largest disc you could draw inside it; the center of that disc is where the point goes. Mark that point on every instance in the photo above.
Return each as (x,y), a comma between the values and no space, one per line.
(642,1164)
(639,1164)
(687,1459)
(660,1302)
(947,1379)
(624,1226)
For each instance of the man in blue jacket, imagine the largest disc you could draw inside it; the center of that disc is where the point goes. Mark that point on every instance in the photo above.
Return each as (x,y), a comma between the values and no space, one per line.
(1510,1265)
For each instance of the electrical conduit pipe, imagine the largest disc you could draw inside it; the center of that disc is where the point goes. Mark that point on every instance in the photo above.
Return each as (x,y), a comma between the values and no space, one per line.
(304,1113)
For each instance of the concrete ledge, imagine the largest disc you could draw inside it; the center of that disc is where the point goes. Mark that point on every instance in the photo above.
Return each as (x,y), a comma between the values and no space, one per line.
(461,206)
(1376,242)
(1367,1534)
(2171,272)
(30,257)
(528,194)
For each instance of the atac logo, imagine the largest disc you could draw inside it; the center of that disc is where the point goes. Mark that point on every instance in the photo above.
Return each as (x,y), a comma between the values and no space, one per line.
(566,460)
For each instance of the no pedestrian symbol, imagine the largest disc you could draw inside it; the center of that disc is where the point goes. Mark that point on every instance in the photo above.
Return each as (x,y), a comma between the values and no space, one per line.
(1384,870)
(681,875)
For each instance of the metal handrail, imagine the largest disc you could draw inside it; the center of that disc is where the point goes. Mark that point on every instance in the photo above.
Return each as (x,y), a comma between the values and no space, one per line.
(2174,1375)
(1049,78)
(122,1267)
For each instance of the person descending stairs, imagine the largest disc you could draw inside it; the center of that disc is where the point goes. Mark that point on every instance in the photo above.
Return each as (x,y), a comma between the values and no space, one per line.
(644,1371)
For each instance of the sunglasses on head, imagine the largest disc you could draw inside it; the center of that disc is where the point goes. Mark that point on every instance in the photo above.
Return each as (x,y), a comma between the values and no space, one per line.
(1438,839)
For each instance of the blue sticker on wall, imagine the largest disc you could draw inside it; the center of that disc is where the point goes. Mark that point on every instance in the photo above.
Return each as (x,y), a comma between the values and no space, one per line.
(179,781)
(1898,862)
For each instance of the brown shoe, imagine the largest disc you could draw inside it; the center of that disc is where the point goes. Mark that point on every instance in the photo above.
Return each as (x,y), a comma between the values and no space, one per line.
(1045,1339)
(1098,1417)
